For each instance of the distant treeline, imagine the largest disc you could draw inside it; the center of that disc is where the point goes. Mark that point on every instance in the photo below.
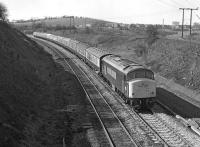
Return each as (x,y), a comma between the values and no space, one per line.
(43,27)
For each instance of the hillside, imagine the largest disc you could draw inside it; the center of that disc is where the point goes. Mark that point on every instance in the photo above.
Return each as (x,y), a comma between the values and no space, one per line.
(57,23)
(33,88)
(65,20)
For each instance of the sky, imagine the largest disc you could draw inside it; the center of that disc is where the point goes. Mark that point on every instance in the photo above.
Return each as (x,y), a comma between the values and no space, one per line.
(122,11)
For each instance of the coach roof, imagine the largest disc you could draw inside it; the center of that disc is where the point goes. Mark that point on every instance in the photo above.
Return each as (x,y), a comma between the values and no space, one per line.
(97,52)
(123,65)
(83,45)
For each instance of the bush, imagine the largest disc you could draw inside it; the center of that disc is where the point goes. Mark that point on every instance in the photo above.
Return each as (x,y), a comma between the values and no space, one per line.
(3,12)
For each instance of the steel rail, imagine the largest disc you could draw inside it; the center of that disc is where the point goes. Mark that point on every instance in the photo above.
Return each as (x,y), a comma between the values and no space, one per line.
(99,117)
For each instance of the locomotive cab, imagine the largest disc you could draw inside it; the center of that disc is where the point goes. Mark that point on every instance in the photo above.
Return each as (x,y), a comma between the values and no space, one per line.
(141,87)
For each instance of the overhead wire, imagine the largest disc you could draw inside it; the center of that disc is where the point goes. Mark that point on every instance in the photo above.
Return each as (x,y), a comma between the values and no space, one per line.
(161,12)
(167,4)
(197,16)
(174,9)
(176,3)
(193,3)
(150,14)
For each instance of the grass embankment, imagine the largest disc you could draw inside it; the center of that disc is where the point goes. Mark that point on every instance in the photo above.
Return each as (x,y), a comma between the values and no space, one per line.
(33,88)
(174,59)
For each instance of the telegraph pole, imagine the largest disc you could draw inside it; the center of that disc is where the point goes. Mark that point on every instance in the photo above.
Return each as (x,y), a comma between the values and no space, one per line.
(70,24)
(191,19)
(191,9)
(71,20)
(163,22)
(182,20)
(85,22)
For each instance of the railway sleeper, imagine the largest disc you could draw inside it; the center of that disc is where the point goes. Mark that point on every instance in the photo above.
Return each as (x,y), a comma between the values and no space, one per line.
(139,103)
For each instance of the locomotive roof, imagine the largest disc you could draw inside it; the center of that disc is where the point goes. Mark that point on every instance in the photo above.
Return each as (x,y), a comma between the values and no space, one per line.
(97,51)
(124,65)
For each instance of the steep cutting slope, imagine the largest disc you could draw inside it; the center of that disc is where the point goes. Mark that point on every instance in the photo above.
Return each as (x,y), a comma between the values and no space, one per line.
(31,92)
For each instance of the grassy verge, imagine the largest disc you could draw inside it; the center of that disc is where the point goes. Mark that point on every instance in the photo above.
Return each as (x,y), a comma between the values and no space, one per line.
(33,90)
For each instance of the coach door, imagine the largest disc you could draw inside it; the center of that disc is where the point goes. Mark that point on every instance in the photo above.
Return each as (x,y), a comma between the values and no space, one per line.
(123,88)
(103,69)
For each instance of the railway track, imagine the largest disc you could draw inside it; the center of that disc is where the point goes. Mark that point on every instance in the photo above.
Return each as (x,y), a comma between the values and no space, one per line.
(147,124)
(134,128)
(172,124)
(143,129)
(165,127)
(115,132)
(150,124)
(165,131)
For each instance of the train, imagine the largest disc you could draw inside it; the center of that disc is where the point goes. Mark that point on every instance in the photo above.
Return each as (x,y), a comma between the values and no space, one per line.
(132,81)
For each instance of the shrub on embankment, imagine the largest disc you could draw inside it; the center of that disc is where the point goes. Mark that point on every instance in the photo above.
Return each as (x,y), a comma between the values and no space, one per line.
(178,60)
(31,92)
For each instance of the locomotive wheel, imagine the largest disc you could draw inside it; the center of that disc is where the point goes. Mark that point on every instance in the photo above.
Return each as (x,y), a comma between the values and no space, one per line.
(150,103)
(132,103)
(143,102)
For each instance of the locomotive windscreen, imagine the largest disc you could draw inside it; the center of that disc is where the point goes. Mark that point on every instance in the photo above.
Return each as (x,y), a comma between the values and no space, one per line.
(140,73)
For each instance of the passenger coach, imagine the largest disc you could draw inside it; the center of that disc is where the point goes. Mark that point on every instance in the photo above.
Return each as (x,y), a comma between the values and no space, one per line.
(94,56)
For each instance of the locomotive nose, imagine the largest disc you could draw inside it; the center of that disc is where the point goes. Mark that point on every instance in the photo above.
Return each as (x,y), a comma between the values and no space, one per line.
(142,88)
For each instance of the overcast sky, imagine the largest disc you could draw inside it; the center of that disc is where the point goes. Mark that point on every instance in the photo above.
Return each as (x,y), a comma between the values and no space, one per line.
(125,11)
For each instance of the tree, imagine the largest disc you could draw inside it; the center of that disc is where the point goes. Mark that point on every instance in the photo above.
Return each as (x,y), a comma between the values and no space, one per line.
(3,12)
(151,34)
(150,38)
(87,30)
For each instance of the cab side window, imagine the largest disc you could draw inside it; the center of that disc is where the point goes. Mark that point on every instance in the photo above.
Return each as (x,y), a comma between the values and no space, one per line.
(149,75)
